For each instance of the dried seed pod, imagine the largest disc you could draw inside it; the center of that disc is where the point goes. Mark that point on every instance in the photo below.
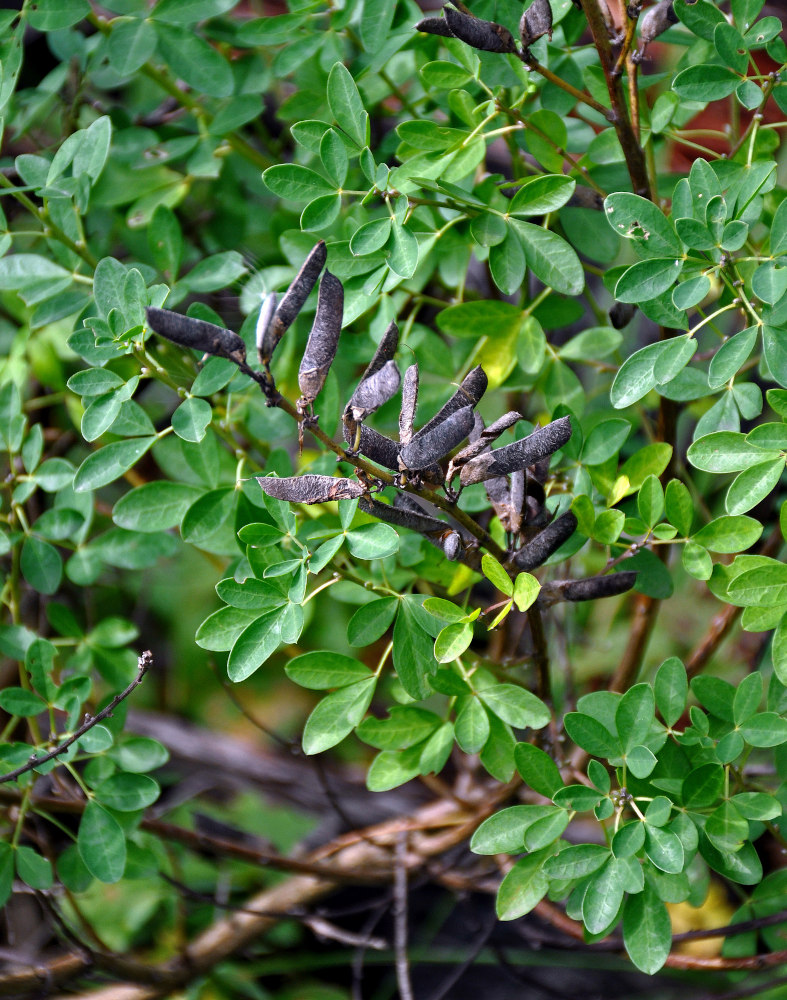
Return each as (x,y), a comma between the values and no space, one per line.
(196,334)
(434,26)
(310,488)
(481,440)
(293,301)
(471,389)
(485,35)
(656,20)
(323,339)
(373,391)
(267,309)
(426,448)
(517,489)
(499,496)
(519,455)
(537,551)
(585,197)
(409,403)
(451,543)
(590,589)
(535,22)
(402,517)
(378,448)
(621,314)
(538,473)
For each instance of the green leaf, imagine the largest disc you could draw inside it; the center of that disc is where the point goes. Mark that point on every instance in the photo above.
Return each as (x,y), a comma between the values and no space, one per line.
(671,690)
(537,769)
(539,195)
(726,829)
(472,726)
(371,237)
(592,344)
(664,849)
(779,650)
(729,534)
(577,798)
(591,735)
(775,353)
(496,575)
(94,382)
(507,263)
(110,462)
(405,726)
(605,440)
(20,701)
(703,786)
(154,506)
(603,896)
(401,251)
(638,219)
(130,45)
(707,82)
(325,669)
(254,646)
(629,839)
(523,887)
(371,621)
(51,15)
(651,460)
(515,705)
(647,931)
(647,279)
(725,451)
(753,485)
(504,831)
(526,590)
(742,866)
(337,715)
(127,792)
(679,506)
(634,715)
(190,11)
(208,515)
(444,75)
(190,57)
(452,641)
(413,654)
(650,501)
(346,104)
(636,377)
(373,541)
(766,729)
(41,565)
(553,261)
(190,420)
(294,182)
(100,415)
(102,844)
(390,769)
(576,861)
(32,869)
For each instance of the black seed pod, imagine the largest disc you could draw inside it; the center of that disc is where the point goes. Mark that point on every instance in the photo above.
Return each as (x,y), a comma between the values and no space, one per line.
(621,314)
(379,448)
(293,301)
(373,391)
(519,455)
(537,551)
(499,496)
(409,403)
(267,310)
(535,22)
(518,481)
(656,20)
(434,26)
(427,448)
(402,517)
(471,389)
(485,35)
(323,339)
(196,334)
(310,489)
(481,440)
(585,197)
(590,589)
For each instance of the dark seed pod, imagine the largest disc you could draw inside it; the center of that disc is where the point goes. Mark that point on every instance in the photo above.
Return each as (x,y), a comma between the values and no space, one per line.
(656,20)
(537,551)
(485,35)
(517,489)
(451,543)
(591,589)
(293,300)
(535,22)
(481,440)
(310,489)
(402,517)
(373,391)
(471,389)
(385,351)
(621,314)
(267,310)
(196,334)
(519,455)
(323,339)
(434,26)
(409,403)
(427,448)
(585,197)
(499,496)
(379,448)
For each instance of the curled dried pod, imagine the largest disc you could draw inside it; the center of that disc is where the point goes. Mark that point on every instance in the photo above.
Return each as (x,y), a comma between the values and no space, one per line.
(481,439)
(590,589)
(535,22)
(197,334)
(656,20)
(267,309)
(621,314)
(485,35)
(323,339)
(434,26)
(310,488)
(373,391)
(539,549)
(429,446)
(292,301)
(409,403)
(499,496)
(403,517)
(520,454)
(378,448)
(517,490)
(469,393)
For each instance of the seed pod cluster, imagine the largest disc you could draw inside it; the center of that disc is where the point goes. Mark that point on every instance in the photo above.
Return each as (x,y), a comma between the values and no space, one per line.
(197,334)
(544,441)
(291,304)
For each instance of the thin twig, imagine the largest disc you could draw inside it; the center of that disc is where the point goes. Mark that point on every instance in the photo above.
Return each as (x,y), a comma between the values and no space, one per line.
(144,662)
(400,918)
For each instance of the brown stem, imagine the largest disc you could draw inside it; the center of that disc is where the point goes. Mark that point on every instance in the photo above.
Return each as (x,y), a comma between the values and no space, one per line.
(531,63)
